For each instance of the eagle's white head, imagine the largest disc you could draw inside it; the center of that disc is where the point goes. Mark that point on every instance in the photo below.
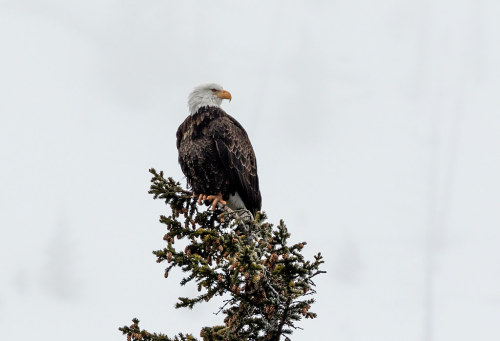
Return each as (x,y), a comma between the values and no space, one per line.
(210,94)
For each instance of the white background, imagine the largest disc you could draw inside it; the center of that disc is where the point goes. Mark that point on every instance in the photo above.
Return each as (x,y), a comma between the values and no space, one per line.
(376,128)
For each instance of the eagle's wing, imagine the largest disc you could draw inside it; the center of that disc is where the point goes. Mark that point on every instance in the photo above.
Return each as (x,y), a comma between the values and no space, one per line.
(236,153)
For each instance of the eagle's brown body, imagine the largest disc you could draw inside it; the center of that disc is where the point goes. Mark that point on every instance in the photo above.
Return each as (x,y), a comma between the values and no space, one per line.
(216,156)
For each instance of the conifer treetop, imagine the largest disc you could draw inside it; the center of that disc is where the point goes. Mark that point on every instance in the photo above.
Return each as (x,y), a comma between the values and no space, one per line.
(266,283)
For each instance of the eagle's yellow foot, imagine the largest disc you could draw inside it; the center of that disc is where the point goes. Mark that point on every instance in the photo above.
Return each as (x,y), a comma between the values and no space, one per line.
(200,198)
(215,199)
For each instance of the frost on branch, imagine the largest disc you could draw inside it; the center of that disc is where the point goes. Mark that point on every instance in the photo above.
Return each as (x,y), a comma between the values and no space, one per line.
(267,283)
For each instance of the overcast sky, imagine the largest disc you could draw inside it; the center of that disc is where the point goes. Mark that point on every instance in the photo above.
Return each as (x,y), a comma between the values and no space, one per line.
(376,128)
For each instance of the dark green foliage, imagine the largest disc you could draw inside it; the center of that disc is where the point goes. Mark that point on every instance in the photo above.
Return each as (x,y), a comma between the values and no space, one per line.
(268,282)
(135,333)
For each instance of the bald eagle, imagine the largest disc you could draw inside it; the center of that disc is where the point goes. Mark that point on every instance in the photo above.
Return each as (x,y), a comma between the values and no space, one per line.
(215,153)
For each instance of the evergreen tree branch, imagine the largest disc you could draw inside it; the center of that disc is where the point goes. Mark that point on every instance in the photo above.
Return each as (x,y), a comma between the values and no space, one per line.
(234,254)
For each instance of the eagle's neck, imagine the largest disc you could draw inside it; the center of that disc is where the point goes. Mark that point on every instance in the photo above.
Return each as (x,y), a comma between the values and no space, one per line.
(198,100)
(208,112)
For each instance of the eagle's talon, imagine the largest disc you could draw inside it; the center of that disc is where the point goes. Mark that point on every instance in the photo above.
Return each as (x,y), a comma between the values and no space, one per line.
(215,200)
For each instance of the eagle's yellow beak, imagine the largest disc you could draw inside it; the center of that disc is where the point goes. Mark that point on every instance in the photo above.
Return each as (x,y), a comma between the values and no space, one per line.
(224,95)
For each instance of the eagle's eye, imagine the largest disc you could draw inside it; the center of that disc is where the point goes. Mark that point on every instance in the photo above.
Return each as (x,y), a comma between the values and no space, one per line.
(214,90)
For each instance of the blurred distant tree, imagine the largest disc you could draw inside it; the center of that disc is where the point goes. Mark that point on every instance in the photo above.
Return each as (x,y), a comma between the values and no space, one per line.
(266,282)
